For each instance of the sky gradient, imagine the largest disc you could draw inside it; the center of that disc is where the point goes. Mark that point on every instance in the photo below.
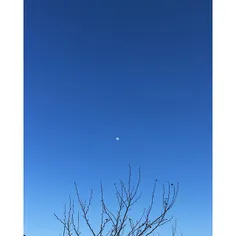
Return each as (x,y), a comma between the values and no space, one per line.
(139,70)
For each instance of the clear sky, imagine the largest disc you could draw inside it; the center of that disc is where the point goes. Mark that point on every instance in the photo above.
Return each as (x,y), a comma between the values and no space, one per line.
(139,70)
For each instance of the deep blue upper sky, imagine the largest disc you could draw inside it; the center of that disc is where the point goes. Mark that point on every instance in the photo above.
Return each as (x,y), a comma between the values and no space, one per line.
(140,70)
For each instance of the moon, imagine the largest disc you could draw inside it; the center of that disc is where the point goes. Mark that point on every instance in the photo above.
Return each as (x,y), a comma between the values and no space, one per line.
(117,138)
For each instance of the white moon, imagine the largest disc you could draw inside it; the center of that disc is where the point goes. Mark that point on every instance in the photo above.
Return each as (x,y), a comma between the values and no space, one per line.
(117,138)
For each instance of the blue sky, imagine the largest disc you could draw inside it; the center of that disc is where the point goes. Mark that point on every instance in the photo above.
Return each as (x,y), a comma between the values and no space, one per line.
(95,70)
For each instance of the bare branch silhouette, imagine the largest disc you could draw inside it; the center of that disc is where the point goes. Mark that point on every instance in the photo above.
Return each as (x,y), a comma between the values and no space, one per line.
(120,222)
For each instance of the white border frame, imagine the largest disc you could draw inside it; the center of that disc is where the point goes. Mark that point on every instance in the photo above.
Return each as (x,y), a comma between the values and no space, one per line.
(11,117)
(224,118)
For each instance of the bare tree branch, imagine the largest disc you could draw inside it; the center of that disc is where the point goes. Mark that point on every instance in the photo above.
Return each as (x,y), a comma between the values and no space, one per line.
(85,208)
(120,222)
